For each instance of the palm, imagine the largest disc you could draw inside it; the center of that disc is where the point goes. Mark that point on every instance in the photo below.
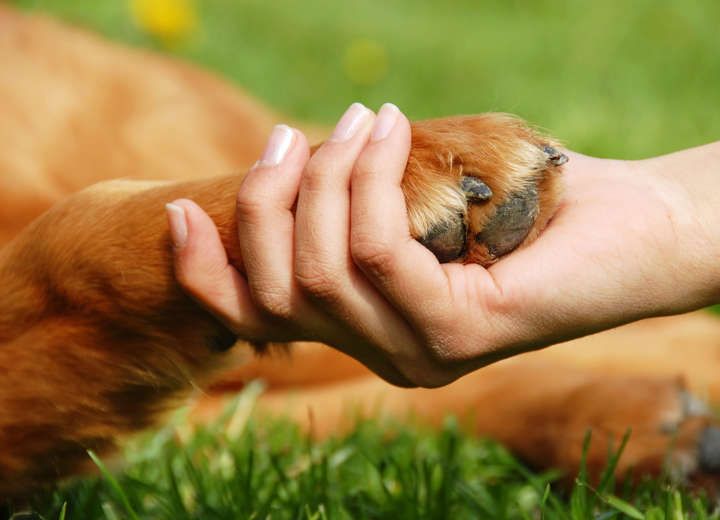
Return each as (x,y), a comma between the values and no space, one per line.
(593,256)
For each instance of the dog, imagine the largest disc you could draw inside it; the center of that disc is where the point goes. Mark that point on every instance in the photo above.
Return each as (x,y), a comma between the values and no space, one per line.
(97,340)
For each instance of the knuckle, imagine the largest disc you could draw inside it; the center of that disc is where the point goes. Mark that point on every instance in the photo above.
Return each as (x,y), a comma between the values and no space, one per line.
(316,175)
(316,281)
(249,206)
(368,168)
(373,255)
(364,167)
(273,302)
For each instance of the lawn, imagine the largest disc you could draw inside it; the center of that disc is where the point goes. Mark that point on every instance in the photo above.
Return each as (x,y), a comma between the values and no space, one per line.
(614,79)
(265,468)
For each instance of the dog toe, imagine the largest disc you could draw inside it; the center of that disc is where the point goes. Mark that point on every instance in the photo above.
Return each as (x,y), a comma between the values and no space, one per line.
(447,239)
(511,223)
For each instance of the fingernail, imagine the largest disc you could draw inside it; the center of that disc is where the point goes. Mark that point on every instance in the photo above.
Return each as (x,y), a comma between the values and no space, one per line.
(278,145)
(178,224)
(385,121)
(349,123)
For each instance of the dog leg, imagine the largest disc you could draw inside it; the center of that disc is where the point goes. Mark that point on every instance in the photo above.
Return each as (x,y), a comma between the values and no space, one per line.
(98,339)
(540,408)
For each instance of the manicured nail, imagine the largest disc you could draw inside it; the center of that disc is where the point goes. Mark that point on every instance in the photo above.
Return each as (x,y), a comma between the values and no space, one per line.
(349,123)
(178,224)
(278,145)
(385,122)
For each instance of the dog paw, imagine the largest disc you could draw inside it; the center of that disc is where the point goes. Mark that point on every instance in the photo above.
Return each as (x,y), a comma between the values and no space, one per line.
(478,187)
(671,432)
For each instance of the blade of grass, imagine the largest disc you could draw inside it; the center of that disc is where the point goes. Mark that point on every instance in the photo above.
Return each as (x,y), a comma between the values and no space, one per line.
(624,507)
(114,485)
(678,513)
(608,474)
(579,500)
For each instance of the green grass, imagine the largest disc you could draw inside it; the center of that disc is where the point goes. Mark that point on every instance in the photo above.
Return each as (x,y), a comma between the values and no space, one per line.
(265,468)
(622,79)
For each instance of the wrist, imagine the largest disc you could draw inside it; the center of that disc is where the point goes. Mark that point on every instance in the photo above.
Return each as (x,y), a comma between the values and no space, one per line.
(686,183)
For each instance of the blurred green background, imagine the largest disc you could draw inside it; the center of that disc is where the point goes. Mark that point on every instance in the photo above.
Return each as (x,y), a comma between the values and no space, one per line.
(613,78)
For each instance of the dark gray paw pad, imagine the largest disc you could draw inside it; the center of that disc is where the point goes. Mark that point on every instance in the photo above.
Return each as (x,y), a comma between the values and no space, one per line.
(446,240)
(511,223)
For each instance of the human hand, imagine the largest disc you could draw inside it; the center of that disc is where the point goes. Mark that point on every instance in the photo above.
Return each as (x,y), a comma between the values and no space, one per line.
(344,268)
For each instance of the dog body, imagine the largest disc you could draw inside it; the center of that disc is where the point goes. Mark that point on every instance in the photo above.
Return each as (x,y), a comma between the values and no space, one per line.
(96,338)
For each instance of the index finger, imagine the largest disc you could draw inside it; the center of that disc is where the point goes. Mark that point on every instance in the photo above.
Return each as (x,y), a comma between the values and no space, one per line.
(406,272)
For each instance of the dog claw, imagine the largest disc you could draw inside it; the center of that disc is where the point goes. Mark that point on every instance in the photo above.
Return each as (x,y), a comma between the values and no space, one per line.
(475,190)
(555,156)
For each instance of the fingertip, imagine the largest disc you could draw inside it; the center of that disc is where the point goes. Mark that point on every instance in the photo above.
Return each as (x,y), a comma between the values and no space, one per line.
(405,125)
(177,220)
(301,149)
(351,123)
(300,139)
(186,213)
(268,184)
(200,249)
(185,207)
(190,208)
(286,145)
(203,271)
(389,122)
(386,120)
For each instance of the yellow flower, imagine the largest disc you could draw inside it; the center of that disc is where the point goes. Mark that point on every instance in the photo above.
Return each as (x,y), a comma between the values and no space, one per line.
(167,20)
